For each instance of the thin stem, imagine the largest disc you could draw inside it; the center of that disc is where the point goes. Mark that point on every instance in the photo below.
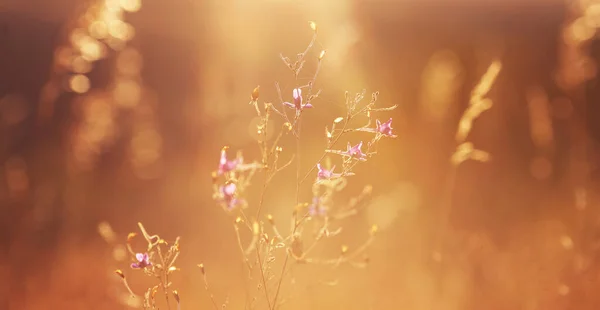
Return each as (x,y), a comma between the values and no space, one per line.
(164,282)
(442,225)
(262,275)
(262,194)
(212,297)
(329,146)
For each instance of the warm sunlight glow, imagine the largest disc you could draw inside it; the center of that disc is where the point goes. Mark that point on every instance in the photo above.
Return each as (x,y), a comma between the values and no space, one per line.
(79,83)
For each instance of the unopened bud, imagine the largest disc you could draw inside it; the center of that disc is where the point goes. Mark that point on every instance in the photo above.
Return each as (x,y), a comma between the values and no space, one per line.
(131,236)
(120,273)
(322,54)
(255,228)
(255,93)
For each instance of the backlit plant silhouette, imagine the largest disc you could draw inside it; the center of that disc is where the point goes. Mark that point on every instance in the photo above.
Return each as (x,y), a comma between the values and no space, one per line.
(270,248)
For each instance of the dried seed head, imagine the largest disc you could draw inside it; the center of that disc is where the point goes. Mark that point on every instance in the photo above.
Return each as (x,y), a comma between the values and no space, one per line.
(255,228)
(255,93)
(270,218)
(238,220)
(344,249)
(154,291)
(338,119)
(202,268)
(176,295)
(313,26)
(120,273)
(279,149)
(173,268)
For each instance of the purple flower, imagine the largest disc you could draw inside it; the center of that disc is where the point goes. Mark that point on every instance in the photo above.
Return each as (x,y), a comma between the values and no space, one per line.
(228,192)
(227,165)
(316,208)
(297,94)
(324,174)
(355,151)
(385,128)
(143,261)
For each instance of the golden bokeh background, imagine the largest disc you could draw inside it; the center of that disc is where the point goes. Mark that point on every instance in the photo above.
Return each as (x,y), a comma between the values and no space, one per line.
(114,112)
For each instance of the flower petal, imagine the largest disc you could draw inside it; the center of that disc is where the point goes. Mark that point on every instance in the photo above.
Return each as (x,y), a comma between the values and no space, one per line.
(141,257)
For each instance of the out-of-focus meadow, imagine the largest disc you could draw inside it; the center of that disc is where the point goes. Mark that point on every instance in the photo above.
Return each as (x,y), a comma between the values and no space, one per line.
(97,137)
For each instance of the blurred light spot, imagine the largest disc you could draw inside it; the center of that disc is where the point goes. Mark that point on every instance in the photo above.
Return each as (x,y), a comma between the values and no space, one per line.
(98,29)
(91,49)
(63,56)
(126,300)
(115,43)
(539,117)
(81,65)
(563,290)
(131,5)
(540,168)
(592,15)
(253,129)
(120,30)
(383,210)
(345,37)
(580,31)
(95,130)
(129,62)
(566,242)
(440,81)
(127,93)
(16,176)
(581,262)
(580,198)
(79,83)
(111,12)
(146,147)
(113,5)
(77,36)
(106,232)
(13,109)
(119,253)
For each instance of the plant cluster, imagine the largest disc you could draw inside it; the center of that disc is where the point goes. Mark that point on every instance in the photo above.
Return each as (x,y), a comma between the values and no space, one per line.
(268,247)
